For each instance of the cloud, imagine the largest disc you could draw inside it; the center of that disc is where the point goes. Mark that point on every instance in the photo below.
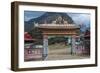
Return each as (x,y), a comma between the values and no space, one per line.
(80,18)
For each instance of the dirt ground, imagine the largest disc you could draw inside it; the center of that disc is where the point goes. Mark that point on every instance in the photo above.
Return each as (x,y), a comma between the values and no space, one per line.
(58,53)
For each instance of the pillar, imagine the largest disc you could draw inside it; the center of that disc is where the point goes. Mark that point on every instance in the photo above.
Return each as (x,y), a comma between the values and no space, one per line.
(45,46)
(73,48)
(69,40)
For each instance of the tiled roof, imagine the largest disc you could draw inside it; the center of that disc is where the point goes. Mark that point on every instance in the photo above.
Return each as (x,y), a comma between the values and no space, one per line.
(28,37)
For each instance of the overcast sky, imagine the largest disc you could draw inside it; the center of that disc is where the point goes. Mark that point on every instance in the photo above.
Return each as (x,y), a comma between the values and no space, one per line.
(32,14)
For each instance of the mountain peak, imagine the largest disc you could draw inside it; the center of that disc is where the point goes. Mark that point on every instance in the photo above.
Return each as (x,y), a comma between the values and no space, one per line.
(49,17)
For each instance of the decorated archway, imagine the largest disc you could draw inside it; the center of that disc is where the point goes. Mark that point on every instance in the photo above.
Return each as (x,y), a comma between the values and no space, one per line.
(65,29)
